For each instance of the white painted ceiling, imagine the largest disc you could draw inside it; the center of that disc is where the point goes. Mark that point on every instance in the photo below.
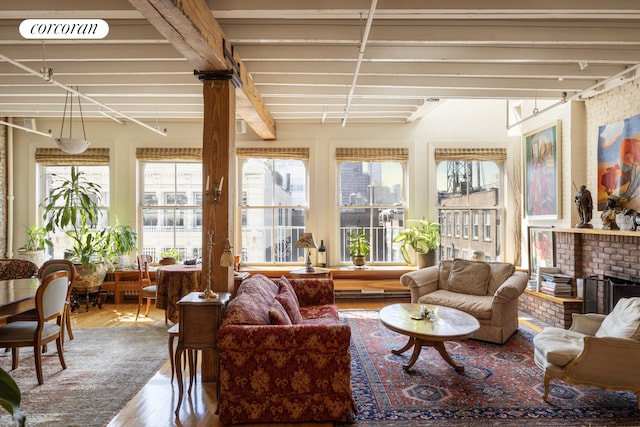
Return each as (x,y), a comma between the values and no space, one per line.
(303,56)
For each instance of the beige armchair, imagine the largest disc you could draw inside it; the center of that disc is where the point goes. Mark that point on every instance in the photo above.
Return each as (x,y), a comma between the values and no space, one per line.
(488,291)
(597,350)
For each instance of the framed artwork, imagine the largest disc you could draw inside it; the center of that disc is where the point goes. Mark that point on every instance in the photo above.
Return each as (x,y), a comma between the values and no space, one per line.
(541,249)
(542,172)
(619,162)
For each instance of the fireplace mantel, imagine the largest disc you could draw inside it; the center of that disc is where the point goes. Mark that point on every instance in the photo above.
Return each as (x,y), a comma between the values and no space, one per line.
(596,231)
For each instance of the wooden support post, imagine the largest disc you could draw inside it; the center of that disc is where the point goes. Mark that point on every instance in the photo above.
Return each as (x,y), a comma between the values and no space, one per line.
(218,165)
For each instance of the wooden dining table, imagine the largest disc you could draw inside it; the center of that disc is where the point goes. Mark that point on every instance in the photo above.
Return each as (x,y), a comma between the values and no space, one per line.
(173,282)
(17,295)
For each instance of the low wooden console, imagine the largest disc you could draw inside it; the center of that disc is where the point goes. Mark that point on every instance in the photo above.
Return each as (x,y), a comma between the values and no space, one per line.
(119,281)
(350,282)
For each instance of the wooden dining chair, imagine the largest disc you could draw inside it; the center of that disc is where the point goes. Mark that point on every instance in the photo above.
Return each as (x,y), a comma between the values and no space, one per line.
(147,291)
(51,266)
(50,306)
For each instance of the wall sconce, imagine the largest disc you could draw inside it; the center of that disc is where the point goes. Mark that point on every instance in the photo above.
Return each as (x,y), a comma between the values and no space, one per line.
(213,195)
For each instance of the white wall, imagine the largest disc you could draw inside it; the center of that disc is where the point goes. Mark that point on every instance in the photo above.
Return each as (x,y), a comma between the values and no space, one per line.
(452,124)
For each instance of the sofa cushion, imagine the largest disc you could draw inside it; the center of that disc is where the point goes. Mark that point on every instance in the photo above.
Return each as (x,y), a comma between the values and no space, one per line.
(500,272)
(469,277)
(479,306)
(443,274)
(623,321)
(289,300)
(326,314)
(278,315)
(252,302)
(559,346)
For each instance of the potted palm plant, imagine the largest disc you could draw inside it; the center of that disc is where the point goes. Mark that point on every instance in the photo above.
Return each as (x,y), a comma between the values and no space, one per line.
(37,242)
(359,246)
(423,236)
(73,207)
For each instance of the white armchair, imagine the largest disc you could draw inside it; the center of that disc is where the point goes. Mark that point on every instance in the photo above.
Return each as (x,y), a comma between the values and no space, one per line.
(597,350)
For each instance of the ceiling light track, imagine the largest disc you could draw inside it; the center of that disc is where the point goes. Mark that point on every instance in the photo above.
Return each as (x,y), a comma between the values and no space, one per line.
(51,80)
(26,129)
(363,46)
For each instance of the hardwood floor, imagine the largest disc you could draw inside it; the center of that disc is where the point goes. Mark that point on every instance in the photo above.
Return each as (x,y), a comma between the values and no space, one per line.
(154,405)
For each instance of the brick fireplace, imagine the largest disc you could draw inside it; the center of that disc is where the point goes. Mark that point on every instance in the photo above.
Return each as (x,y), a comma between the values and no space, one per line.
(588,253)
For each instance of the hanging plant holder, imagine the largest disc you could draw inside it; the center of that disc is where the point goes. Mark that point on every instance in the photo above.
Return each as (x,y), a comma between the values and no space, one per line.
(72,145)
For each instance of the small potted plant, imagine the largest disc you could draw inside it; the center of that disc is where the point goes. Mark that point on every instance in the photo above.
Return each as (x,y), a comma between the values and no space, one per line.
(423,237)
(123,240)
(37,242)
(168,257)
(359,246)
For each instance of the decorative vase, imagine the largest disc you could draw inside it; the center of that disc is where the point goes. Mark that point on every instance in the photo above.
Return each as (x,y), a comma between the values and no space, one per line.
(89,276)
(38,257)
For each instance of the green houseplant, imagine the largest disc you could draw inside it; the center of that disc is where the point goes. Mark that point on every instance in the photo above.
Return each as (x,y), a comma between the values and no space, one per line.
(37,242)
(423,236)
(122,240)
(10,397)
(359,246)
(73,207)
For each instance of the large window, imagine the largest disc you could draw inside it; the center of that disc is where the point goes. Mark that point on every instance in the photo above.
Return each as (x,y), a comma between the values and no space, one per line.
(372,196)
(171,211)
(273,207)
(51,174)
(54,164)
(468,184)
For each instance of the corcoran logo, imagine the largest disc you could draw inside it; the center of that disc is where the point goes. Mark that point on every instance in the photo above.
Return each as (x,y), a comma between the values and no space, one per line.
(47,29)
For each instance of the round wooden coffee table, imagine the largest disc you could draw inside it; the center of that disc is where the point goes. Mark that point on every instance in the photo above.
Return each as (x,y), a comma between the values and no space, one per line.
(449,324)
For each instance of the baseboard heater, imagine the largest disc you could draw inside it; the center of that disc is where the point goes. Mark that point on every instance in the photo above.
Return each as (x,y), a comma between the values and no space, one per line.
(372,293)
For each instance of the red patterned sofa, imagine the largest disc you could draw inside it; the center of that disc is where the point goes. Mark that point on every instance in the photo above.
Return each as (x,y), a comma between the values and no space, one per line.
(284,357)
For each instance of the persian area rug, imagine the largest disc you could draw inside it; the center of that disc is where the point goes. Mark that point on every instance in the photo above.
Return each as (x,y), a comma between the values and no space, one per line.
(501,385)
(106,367)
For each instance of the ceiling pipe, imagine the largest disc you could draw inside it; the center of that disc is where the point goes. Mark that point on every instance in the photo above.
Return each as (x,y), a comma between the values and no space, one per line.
(48,135)
(579,95)
(363,46)
(51,80)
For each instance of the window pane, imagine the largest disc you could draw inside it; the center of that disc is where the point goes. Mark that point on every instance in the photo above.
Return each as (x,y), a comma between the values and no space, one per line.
(177,222)
(471,190)
(273,210)
(95,174)
(376,188)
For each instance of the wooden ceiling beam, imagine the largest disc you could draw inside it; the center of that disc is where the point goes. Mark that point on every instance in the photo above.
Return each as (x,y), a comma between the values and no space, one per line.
(191,28)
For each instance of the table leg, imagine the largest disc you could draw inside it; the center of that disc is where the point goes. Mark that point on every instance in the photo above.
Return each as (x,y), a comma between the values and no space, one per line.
(417,348)
(439,345)
(406,347)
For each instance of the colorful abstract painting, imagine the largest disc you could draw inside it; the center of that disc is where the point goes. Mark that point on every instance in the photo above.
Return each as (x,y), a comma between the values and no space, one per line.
(619,162)
(542,179)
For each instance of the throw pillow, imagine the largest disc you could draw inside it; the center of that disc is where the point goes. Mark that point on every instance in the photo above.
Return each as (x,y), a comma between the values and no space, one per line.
(469,277)
(278,315)
(289,300)
(623,321)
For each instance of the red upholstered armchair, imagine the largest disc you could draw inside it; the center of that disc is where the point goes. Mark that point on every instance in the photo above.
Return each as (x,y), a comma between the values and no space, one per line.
(272,372)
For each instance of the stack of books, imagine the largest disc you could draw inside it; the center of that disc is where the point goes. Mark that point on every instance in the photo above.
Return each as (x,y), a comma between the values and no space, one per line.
(556,284)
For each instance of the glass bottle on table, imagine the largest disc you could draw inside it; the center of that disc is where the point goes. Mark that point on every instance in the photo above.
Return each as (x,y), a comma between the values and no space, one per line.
(322,255)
